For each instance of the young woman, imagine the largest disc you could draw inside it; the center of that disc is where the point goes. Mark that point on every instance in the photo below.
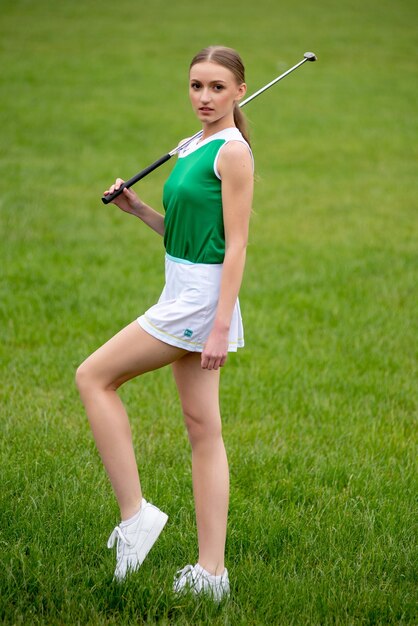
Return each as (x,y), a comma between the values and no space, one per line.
(196,322)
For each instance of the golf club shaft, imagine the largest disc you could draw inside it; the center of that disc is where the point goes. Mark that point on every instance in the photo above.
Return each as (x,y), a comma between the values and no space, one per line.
(309,56)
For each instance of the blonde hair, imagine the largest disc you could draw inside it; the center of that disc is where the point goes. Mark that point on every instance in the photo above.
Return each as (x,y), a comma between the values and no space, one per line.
(229,58)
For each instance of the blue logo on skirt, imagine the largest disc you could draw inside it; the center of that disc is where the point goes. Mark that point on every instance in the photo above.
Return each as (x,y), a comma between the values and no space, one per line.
(188,332)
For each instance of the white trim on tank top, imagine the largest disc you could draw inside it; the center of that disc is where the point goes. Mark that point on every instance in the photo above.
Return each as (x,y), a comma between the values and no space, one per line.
(228,134)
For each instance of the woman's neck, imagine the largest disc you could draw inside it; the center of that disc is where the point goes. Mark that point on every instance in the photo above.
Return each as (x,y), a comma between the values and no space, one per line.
(216,127)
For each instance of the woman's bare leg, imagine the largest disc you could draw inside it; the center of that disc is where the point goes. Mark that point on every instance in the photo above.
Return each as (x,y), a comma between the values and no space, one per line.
(199,394)
(129,353)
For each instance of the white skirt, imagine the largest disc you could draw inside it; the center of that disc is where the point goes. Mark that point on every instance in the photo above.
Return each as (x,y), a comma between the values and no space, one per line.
(185,312)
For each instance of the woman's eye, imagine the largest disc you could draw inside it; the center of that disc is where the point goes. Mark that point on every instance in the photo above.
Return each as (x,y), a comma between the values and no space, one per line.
(219,87)
(195,85)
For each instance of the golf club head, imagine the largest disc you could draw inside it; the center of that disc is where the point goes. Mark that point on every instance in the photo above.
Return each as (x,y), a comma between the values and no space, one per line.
(310,56)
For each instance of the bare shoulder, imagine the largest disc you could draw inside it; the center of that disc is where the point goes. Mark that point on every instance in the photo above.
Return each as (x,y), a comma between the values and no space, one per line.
(235,149)
(235,158)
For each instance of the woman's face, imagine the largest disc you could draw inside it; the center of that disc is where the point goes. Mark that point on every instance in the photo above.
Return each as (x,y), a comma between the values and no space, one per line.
(213,91)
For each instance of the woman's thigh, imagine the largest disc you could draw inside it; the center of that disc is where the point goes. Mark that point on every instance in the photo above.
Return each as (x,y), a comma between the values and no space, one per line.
(131,352)
(198,389)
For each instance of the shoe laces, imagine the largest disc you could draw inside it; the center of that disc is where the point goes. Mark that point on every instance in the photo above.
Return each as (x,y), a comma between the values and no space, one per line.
(189,574)
(117,535)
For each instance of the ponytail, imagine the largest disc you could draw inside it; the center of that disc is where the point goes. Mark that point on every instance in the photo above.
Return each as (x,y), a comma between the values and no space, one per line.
(241,123)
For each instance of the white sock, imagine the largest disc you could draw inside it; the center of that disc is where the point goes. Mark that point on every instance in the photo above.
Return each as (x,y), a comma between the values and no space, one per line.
(203,572)
(134,518)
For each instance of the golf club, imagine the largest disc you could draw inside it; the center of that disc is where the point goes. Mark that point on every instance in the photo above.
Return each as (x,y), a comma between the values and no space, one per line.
(308,56)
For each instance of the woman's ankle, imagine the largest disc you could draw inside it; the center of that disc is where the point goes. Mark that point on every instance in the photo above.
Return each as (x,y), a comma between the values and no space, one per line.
(129,511)
(211,568)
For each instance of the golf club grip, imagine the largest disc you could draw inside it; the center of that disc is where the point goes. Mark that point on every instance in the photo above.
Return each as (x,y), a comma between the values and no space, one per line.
(109,197)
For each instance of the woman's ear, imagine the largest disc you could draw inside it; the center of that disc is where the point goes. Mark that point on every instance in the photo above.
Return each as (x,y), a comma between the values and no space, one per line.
(242,90)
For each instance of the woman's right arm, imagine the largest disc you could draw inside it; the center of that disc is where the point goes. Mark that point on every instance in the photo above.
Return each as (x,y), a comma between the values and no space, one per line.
(129,202)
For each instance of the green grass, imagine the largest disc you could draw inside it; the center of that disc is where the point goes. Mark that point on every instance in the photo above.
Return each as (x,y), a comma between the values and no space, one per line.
(319,409)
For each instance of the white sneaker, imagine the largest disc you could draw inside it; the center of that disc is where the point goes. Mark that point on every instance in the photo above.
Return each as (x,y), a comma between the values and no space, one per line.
(136,539)
(197,580)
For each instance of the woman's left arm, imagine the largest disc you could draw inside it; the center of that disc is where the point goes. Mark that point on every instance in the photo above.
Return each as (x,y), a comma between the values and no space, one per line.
(236,169)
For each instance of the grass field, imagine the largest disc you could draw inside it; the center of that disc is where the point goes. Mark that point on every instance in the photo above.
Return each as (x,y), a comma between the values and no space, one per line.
(319,409)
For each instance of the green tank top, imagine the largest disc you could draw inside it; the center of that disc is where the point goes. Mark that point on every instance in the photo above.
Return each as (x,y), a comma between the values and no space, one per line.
(192,199)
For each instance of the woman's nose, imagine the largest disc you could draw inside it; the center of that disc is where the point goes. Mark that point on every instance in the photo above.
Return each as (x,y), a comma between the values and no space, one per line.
(204,96)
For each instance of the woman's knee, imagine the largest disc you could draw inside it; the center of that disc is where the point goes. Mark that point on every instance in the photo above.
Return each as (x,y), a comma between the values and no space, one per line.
(82,377)
(202,424)
(86,377)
